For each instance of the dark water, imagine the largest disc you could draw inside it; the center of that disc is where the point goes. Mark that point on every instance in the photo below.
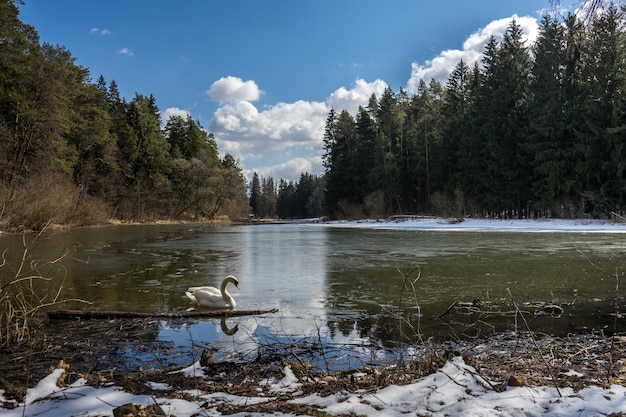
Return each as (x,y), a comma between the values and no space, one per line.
(359,293)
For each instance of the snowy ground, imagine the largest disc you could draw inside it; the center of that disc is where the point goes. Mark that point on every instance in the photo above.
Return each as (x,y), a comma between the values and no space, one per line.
(474,225)
(455,390)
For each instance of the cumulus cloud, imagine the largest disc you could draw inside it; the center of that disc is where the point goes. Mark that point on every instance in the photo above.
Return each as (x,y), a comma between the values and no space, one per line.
(359,95)
(289,170)
(443,64)
(285,133)
(231,89)
(173,111)
(278,127)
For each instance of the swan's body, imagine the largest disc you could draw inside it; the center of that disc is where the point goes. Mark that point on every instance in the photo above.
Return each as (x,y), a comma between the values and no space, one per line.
(211,297)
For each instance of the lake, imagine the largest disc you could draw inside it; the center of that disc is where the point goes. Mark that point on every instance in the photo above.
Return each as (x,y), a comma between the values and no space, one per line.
(350,294)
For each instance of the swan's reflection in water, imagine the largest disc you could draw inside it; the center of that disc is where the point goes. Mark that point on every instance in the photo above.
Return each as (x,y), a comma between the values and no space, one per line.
(226,330)
(266,337)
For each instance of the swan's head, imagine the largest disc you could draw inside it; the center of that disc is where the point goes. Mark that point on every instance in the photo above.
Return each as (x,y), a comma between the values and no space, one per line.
(233,280)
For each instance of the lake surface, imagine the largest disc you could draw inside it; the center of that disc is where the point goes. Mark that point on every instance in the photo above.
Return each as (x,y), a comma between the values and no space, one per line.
(352,294)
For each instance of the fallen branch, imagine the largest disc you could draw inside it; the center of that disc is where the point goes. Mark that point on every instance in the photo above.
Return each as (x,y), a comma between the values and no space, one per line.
(95,314)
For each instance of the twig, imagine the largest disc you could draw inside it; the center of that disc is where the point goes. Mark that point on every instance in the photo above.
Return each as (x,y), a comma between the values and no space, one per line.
(478,377)
(617,275)
(549,368)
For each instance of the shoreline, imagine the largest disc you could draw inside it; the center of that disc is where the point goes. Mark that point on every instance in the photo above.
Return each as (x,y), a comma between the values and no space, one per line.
(408,222)
(441,224)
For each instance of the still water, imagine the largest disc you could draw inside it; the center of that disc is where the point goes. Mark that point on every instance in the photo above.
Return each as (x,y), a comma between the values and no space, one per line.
(355,294)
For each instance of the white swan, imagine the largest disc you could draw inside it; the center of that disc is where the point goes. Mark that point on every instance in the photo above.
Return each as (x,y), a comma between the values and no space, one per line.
(211,297)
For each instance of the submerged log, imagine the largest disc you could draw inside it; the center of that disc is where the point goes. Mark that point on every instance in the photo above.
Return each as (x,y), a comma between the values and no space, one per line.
(465,306)
(95,314)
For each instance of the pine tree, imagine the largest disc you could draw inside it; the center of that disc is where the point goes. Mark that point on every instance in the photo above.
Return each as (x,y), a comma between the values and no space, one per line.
(148,156)
(506,102)
(255,195)
(268,193)
(454,117)
(340,143)
(550,143)
(185,137)
(92,149)
(603,134)
(368,175)
(285,199)
(390,119)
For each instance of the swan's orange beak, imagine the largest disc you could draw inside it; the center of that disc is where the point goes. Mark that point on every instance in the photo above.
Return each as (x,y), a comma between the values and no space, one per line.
(237,285)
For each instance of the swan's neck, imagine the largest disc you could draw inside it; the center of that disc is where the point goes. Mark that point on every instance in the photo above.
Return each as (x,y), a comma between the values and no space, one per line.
(226,295)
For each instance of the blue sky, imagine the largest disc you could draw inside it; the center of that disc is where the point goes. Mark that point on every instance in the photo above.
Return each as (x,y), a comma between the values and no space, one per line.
(262,75)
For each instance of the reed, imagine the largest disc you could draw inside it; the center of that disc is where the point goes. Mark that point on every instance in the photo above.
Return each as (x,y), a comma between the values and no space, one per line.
(27,287)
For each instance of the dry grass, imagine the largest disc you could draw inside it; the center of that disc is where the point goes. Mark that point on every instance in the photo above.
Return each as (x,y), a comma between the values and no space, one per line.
(44,201)
(28,287)
(576,361)
(20,297)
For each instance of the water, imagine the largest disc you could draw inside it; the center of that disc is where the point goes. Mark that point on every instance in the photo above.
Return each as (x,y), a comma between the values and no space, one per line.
(352,294)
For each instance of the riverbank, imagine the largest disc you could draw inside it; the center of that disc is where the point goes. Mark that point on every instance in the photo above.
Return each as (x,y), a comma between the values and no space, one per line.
(424,223)
(486,225)
(507,375)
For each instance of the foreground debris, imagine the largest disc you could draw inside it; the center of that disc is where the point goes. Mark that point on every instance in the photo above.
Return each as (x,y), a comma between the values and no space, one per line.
(553,374)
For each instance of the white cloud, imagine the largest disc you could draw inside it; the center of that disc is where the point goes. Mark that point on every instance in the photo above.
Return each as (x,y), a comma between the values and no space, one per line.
(230,89)
(284,131)
(239,117)
(281,130)
(173,111)
(443,64)
(359,95)
(125,51)
(103,32)
(289,170)
(280,126)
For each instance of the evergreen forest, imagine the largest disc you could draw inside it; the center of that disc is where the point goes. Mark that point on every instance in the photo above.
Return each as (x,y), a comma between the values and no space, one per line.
(533,131)
(530,131)
(74,152)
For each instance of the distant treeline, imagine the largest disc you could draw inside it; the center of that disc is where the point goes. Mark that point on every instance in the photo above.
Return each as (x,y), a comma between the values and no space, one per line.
(534,130)
(75,152)
(300,199)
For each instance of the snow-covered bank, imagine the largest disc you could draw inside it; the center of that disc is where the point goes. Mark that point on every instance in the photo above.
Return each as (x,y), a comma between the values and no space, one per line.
(456,389)
(493,225)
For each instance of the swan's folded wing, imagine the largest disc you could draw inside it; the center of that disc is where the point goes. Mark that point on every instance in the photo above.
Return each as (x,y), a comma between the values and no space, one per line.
(209,290)
(205,299)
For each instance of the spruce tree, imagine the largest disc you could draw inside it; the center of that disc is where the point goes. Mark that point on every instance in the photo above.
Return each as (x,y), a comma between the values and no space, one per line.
(602,135)
(547,142)
(255,195)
